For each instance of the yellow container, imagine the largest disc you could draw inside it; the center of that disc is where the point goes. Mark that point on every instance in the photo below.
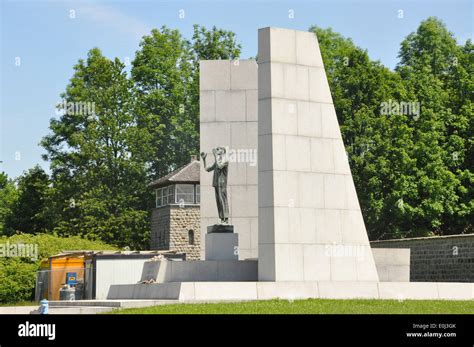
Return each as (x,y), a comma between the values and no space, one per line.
(59,266)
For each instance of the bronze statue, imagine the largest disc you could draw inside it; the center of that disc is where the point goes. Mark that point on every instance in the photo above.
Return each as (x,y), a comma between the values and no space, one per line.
(219,180)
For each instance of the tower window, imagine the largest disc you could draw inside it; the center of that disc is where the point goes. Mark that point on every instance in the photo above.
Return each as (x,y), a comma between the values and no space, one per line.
(191,237)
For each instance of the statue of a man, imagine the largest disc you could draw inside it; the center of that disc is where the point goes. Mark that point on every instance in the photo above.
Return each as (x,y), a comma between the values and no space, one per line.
(219,180)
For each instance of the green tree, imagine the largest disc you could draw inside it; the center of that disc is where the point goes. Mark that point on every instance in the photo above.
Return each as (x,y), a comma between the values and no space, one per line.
(413,172)
(29,211)
(8,198)
(166,76)
(213,44)
(97,158)
(438,72)
(162,75)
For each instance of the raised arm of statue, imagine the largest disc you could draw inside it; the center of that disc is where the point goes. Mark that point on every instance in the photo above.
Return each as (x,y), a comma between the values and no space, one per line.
(207,168)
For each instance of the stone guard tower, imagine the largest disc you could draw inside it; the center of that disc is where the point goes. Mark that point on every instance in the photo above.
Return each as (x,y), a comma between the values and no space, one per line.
(175,220)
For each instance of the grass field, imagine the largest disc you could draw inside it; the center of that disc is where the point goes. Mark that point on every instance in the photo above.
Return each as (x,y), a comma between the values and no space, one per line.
(313,306)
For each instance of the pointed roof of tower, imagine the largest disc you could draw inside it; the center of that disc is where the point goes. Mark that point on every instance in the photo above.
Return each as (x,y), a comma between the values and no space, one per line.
(188,173)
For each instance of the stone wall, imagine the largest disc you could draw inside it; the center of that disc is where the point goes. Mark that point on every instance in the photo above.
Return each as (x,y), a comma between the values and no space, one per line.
(228,117)
(183,220)
(160,227)
(434,259)
(170,227)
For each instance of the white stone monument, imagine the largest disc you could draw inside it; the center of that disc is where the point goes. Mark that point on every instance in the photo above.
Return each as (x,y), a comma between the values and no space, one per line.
(312,241)
(310,223)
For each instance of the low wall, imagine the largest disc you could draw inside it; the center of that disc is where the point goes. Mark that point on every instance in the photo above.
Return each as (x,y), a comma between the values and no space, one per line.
(110,271)
(202,271)
(437,259)
(393,265)
(241,291)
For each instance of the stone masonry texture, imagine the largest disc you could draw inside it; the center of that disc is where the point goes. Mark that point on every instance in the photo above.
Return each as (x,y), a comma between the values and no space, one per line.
(170,228)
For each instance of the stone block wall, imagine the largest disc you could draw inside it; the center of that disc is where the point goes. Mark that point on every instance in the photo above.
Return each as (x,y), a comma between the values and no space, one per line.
(436,259)
(228,117)
(160,228)
(170,229)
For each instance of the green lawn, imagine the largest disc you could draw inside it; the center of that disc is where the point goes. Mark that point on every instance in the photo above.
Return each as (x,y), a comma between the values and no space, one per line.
(312,306)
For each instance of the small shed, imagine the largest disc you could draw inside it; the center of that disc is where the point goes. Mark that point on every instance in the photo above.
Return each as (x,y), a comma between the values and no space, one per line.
(92,272)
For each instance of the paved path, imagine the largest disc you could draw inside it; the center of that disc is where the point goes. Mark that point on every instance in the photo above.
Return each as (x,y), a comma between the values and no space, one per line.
(85,306)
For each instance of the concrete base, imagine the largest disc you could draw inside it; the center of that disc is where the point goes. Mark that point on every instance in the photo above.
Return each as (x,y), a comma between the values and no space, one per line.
(240,291)
(222,246)
(84,306)
(200,271)
(220,228)
(393,264)
(19,310)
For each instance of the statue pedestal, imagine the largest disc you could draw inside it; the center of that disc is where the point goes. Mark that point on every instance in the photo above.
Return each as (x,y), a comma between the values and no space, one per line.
(221,243)
(220,228)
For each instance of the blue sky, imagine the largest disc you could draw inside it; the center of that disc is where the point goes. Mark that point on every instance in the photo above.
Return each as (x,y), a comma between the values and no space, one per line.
(48,42)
